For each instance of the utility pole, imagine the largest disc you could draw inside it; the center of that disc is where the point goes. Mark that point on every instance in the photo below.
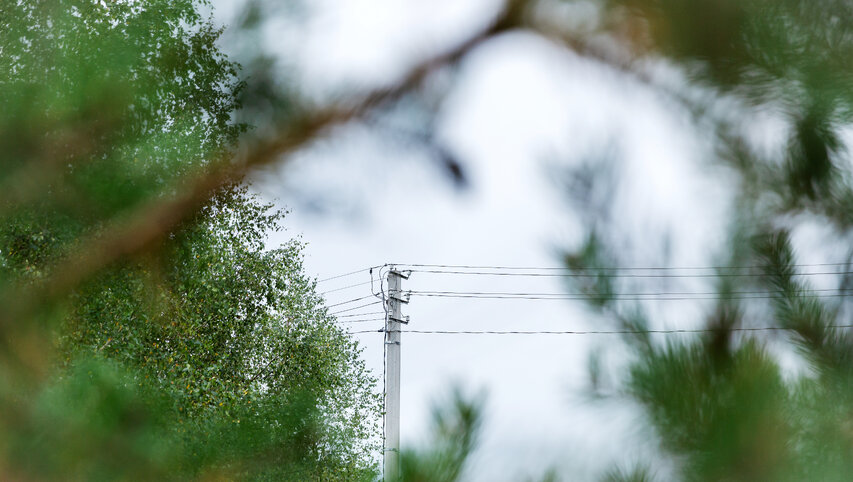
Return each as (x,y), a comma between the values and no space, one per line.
(391,455)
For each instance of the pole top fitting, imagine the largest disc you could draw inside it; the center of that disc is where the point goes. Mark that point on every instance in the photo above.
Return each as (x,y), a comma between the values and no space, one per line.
(405,273)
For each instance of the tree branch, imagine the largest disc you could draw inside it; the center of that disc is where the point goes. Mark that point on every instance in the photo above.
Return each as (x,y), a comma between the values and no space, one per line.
(149,224)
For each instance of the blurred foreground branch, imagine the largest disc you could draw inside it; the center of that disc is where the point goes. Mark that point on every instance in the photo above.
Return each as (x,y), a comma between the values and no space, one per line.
(151,222)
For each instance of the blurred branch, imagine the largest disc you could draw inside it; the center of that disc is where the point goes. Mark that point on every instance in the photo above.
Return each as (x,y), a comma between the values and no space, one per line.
(627,63)
(150,223)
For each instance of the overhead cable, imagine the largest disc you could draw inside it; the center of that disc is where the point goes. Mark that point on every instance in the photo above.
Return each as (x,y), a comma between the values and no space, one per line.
(636,297)
(623,268)
(349,301)
(347,274)
(647,293)
(590,332)
(624,275)
(362,320)
(345,287)
(362,314)
(356,307)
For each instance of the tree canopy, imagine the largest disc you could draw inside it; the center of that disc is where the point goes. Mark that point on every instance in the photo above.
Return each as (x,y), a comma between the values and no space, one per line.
(720,405)
(204,354)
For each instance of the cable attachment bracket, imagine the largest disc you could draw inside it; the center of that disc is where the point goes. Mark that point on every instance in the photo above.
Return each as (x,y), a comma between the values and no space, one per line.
(404,321)
(402,273)
(404,299)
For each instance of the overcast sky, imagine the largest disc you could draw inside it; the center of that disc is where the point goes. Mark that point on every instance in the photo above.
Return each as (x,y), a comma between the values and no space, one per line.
(520,112)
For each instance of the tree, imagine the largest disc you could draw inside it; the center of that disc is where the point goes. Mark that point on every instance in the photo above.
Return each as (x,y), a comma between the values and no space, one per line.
(201,355)
(220,323)
(719,404)
(456,425)
(105,108)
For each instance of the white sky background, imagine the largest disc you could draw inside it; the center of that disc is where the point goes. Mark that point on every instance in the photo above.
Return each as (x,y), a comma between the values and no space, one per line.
(519,107)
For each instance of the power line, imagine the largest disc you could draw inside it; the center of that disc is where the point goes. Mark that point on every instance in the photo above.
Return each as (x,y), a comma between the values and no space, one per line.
(626,275)
(345,287)
(362,314)
(624,268)
(656,293)
(590,332)
(349,301)
(649,297)
(356,307)
(348,274)
(362,320)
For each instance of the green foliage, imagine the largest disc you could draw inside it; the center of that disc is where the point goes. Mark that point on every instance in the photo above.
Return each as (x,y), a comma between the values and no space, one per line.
(637,474)
(724,413)
(104,107)
(719,405)
(220,324)
(790,56)
(205,356)
(97,421)
(456,425)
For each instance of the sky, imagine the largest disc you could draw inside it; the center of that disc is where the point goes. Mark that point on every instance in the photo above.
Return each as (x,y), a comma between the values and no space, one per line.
(521,112)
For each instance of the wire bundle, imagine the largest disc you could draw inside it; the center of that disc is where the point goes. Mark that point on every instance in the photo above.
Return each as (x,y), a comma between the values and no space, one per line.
(344,312)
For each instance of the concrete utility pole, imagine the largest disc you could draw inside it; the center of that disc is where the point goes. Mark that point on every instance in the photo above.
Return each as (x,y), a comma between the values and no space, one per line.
(392,374)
